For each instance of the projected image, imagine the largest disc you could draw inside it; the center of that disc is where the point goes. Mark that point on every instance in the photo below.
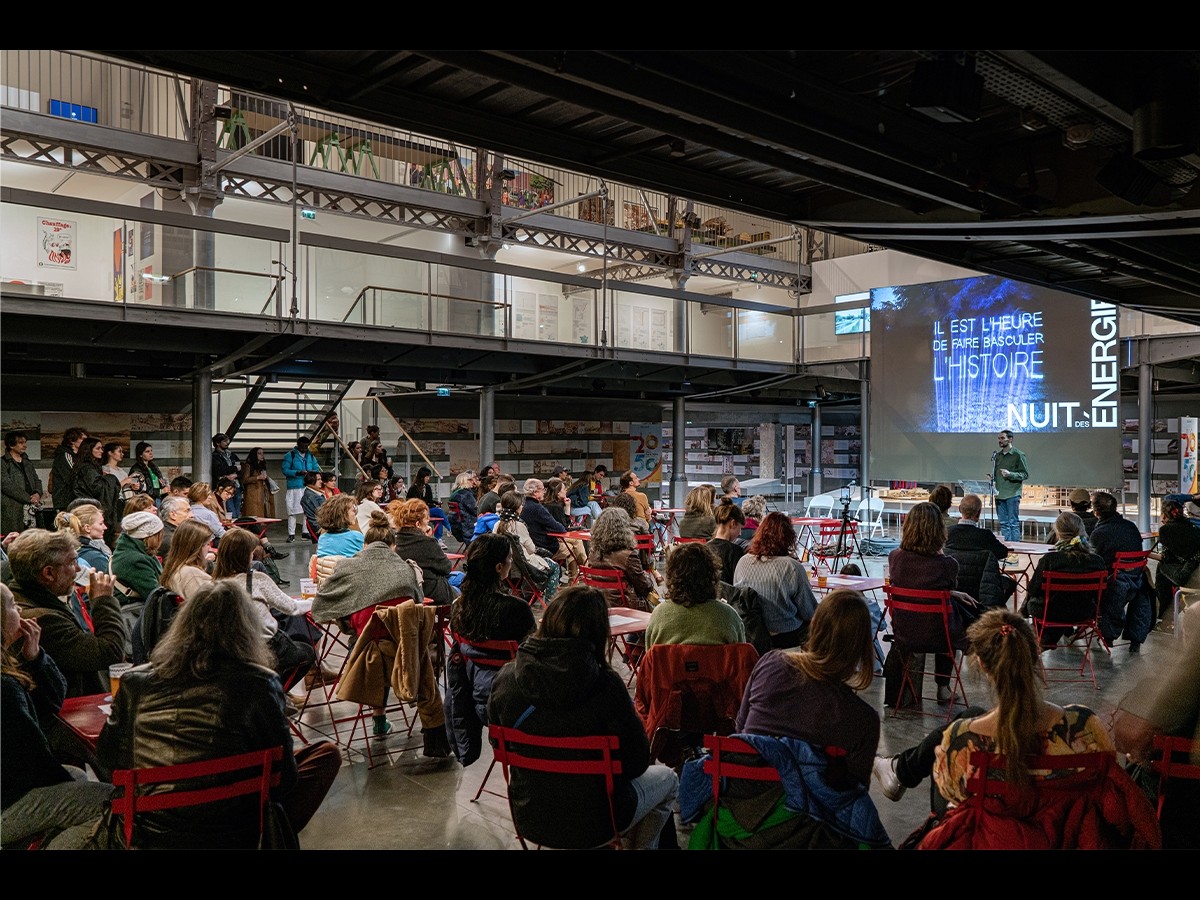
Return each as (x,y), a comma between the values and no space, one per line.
(987,354)
(955,362)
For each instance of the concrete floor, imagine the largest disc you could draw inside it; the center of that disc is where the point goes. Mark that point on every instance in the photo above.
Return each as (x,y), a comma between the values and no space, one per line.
(409,802)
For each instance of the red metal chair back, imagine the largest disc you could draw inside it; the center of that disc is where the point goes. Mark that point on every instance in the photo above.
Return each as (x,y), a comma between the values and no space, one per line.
(130,802)
(605,580)
(1173,759)
(718,767)
(592,755)
(916,602)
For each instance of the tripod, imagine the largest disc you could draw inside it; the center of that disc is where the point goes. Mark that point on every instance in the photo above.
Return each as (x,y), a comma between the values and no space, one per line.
(847,533)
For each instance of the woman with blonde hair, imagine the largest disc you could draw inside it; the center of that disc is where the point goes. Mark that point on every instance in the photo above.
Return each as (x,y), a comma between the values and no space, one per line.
(697,521)
(204,508)
(185,569)
(86,522)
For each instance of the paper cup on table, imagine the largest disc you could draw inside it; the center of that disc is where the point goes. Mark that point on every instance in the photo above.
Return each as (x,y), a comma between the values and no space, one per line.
(115,671)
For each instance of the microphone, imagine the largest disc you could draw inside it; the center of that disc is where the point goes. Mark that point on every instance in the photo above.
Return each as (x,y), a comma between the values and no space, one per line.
(995,453)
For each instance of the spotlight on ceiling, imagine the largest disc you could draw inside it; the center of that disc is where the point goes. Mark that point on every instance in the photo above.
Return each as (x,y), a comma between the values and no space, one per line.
(677,149)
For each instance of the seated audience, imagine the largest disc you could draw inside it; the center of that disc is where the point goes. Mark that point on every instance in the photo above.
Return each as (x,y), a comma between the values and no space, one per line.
(44,567)
(213,669)
(39,796)
(368,496)
(173,511)
(135,560)
(1080,502)
(1179,559)
(562,685)
(629,485)
(281,617)
(1022,723)
(692,612)
(754,509)
(558,506)
(811,694)
(1071,554)
(185,570)
(415,541)
(728,521)
(982,579)
(613,547)
(1127,609)
(465,486)
(919,563)
(543,570)
(731,490)
(312,498)
(86,522)
(943,498)
(779,579)
(200,497)
(486,611)
(697,518)
(584,493)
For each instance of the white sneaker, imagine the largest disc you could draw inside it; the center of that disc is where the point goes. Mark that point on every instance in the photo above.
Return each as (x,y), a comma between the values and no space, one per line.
(884,771)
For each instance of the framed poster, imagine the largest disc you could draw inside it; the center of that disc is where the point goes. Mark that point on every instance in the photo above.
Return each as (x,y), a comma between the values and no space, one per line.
(1189,482)
(645,451)
(56,243)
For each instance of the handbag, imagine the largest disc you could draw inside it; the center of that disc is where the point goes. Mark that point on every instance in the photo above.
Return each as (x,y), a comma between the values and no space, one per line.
(277,832)
(1178,571)
(272,486)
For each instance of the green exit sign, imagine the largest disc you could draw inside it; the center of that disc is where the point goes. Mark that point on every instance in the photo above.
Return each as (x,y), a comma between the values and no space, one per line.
(308,213)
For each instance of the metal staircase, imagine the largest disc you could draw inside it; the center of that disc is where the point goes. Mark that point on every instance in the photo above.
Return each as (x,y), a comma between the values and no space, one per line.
(274,413)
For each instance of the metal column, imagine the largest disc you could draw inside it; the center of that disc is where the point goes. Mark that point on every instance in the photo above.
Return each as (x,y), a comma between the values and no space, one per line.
(864,467)
(679,482)
(815,447)
(1145,457)
(487,425)
(202,425)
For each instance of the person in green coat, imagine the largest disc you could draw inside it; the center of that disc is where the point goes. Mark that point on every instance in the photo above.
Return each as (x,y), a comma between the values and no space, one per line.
(135,563)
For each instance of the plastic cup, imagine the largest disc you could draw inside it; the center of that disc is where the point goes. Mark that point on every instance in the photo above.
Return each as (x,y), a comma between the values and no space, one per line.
(822,580)
(115,671)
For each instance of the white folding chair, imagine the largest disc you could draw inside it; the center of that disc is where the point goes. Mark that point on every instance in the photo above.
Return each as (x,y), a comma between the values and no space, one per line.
(819,506)
(870,514)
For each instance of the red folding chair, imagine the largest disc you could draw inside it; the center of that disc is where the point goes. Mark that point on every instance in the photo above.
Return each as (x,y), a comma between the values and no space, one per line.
(826,551)
(259,777)
(492,655)
(608,580)
(373,631)
(1132,561)
(1072,600)
(1173,759)
(719,767)
(590,756)
(907,606)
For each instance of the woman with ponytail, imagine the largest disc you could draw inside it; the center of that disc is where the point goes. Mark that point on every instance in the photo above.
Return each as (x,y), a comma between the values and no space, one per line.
(1021,723)
(86,522)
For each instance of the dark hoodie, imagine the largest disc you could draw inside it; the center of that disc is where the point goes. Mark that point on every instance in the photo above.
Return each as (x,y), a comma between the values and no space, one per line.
(566,693)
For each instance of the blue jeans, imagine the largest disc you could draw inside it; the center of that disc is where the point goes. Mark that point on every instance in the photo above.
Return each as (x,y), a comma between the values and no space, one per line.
(656,789)
(592,509)
(233,505)
(1007,511)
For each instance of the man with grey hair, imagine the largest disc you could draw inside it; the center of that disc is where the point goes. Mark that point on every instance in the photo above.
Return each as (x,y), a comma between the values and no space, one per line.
(43,572)
(541,523)
(174,510)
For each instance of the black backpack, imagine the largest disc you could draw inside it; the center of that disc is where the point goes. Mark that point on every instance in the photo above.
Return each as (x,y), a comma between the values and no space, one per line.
(155,619)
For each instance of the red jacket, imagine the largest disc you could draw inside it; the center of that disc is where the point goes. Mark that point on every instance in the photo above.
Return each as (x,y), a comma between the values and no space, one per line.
(1090,810)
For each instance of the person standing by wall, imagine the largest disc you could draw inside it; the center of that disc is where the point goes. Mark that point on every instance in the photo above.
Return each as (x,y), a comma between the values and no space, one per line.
(64,464)
(22,486)
(225,464)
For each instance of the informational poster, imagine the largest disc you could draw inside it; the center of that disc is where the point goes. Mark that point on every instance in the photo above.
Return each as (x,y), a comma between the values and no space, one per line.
(119,265)
(1189,481)
(645,451)
(56,243)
